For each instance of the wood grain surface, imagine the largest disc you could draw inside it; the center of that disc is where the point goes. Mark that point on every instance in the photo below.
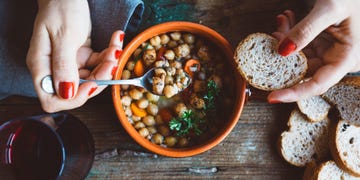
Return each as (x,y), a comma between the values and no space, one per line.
(249,152)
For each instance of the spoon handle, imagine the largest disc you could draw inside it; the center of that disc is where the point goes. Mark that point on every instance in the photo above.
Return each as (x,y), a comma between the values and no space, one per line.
(135,82)
(47,84)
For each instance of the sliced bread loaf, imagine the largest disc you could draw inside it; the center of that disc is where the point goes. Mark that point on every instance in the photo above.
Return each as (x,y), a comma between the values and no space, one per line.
(315,108)
(345,96)
(345,146)
(305,141)
(327,171)
(260,64)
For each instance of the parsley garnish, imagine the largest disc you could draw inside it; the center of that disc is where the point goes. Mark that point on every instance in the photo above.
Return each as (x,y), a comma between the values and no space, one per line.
(188,122)
(211,94)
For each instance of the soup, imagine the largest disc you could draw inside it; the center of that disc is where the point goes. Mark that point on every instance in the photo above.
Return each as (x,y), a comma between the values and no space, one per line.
(182,117)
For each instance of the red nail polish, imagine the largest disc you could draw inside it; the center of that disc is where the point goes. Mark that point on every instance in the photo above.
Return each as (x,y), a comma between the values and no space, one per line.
(113,71)
(92,90)
(122,35)
(118,53)
(66,89)
(274,101)
(286,47)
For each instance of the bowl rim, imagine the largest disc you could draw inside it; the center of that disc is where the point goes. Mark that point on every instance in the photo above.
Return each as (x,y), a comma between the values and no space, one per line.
(208,34)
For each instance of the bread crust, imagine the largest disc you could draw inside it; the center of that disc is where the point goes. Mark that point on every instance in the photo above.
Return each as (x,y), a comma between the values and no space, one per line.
(283,83)
(335,128)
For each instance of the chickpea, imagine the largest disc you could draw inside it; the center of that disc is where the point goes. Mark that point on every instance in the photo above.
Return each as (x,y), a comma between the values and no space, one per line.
(204,53)
(160,63)
(170,71)
(169,54)
(159,120)
(164,39)
(143,132)
(199,86)
(128,111)
(182,50)
(139,125)
(155,41)
(189,38)
(126,74)
(135,118)
(130,65)
(148,120)
(126,100)
(172,44)
(136,54)
(170,90)
(183,142)
(157,139)
(164,130)
(152,109)
(169,80)
(135,94)
(176,64)
(197,102)
(158,84)
(152,129)
(152,97)
(180,108)
(142,103)
(149,56)
(159,71)
(176,36)
(170,141)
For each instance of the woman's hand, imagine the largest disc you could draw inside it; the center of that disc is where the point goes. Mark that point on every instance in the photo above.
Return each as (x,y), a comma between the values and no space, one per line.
(330,36)
(60,46)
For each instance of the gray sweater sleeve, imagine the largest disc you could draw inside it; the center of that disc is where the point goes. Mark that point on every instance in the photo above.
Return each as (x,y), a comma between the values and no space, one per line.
(107,16)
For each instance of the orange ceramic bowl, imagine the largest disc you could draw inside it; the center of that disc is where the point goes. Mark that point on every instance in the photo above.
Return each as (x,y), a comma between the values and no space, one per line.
(240,85)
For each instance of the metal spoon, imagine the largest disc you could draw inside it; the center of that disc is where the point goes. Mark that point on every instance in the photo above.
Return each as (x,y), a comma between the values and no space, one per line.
(144,81)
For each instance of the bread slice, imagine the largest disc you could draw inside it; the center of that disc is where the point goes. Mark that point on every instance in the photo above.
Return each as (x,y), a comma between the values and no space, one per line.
(345,146)
(327,171)
(315,108)
(260,64)
(345,96)
(305,141)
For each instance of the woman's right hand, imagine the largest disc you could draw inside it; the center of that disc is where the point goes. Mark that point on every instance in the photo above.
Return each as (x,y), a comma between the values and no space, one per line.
(331,55)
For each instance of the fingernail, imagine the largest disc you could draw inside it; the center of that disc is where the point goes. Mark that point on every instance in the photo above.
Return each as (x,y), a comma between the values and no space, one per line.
(118,53)
(113,71)
(274,101)
(66,89)
(286,47)
(92,90)
(122,35)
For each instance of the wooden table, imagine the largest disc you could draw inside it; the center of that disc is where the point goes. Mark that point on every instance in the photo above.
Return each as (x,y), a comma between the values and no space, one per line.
(249,152)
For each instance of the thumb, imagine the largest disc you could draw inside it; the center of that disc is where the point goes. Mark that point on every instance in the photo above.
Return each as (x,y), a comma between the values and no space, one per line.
(64,67)
(320,17)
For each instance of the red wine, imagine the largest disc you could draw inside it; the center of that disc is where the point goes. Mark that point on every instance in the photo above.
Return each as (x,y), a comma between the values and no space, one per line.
(34,150)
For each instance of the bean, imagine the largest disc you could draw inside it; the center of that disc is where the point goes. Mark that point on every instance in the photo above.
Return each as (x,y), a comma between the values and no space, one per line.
(144,132)
(170,141)
(152,109)
(148,120)
(158,138)
(142,103)
(135,94)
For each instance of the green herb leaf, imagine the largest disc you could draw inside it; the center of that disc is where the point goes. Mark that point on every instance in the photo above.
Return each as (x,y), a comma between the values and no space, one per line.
(211,94)
(188,122)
